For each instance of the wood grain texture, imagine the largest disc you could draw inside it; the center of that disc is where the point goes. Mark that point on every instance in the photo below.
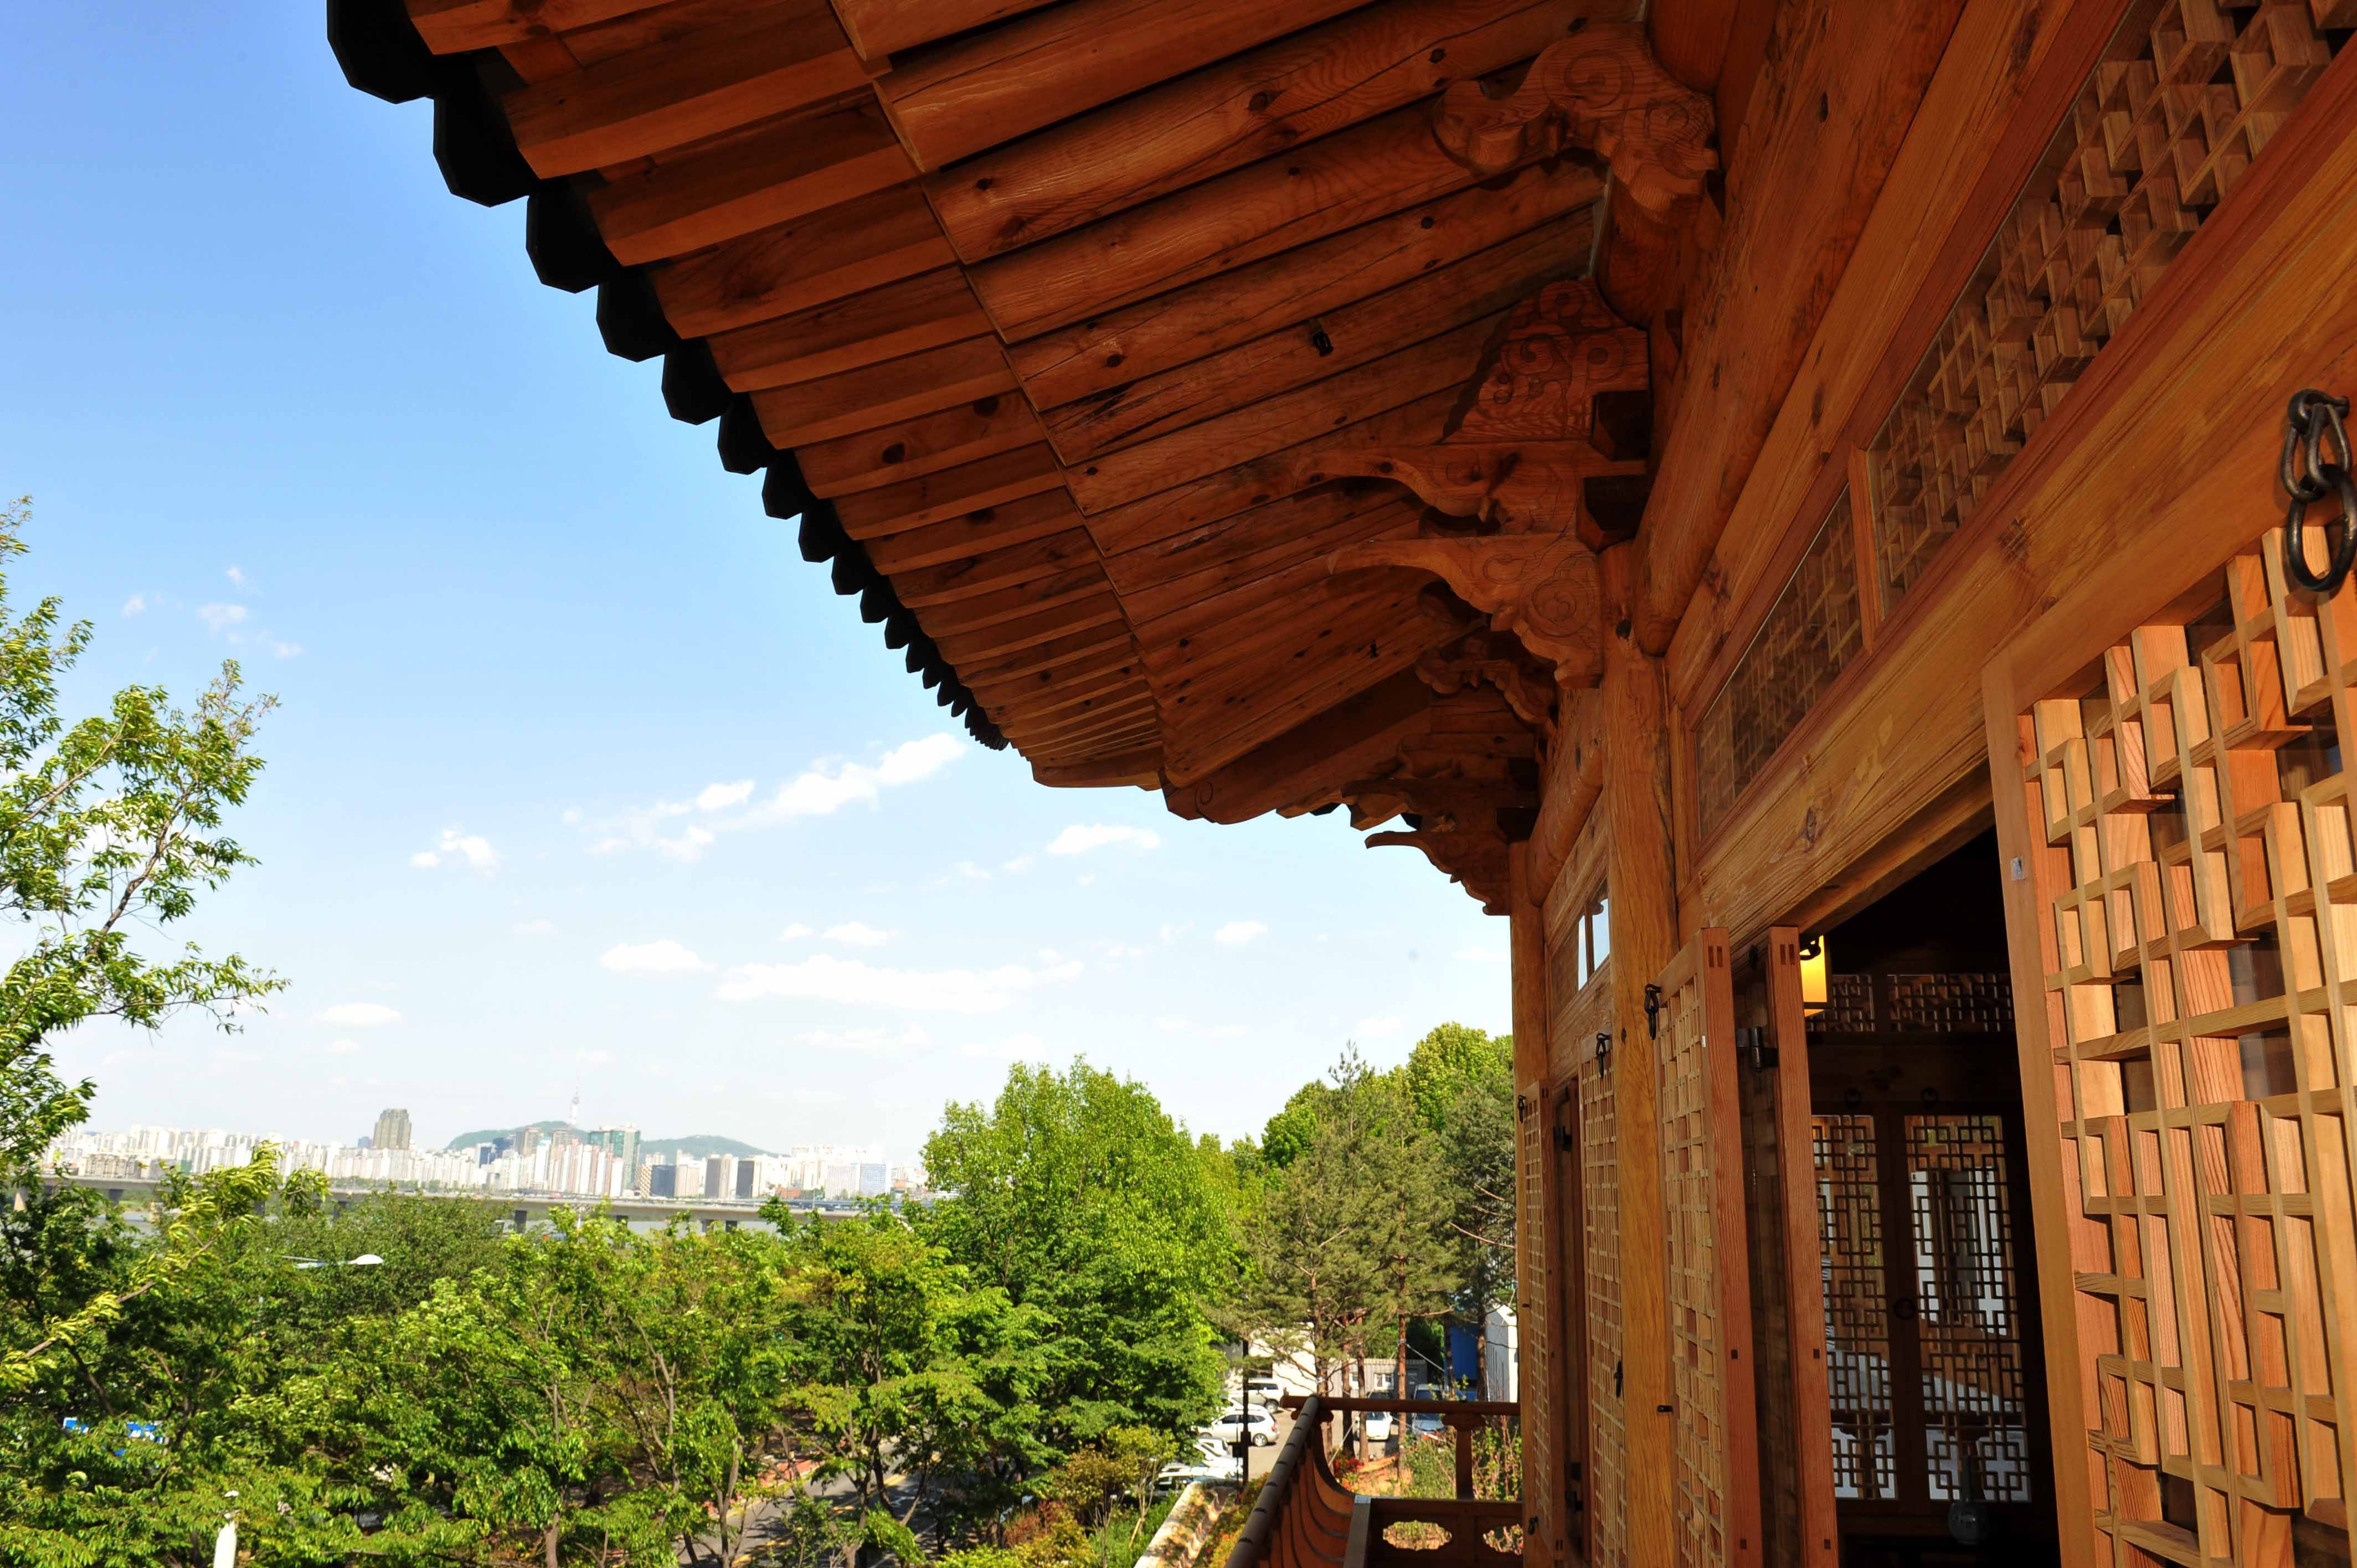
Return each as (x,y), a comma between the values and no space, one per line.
(1171,329)
(924,445)
(827,255)
(2012,73)
(1046,67)
(1348,740)
(1261,428)
(938,495)
(928,311)
(1834,105)
(1258,104)
(774,175)
(881,27)
(875,395)
(984,529)
(1338,339)
(1232,220)
(1804,1308)
(752,67)
(456,27)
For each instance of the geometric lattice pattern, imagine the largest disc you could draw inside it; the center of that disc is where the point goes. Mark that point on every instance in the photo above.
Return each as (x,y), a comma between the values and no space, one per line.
(1701,1507)
(1857,1312)
(2187,95)
(1599,1184)
(1975,1415)
(1952,1002)
(1812,633)
(2198,872)
(1535,1378)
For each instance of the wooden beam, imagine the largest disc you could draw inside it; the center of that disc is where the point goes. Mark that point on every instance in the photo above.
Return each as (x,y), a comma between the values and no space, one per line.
(1287,419)
(1002,639)
(1517,487)
(459,27)
(1302,284)
(1844,83)
(1243,549)
(1258,482)
(753,66)
(1314,348)
(924,445)
(1641,878)
(1575,782)
(973,576)
(1141,769)
(1349,740)
(2010,75)
(882,27)
(984,529)
(1050,65)
(1044,661)
(1258,104)
(927,311)
(953,492)
(828,255)
(1689,38)
(769,176)
(1226,223)
(876,395)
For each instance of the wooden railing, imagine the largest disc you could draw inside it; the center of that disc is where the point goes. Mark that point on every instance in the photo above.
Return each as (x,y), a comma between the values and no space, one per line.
(1306,1519)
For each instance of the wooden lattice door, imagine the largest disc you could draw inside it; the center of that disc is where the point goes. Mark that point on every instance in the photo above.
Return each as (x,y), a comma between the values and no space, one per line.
(1714,1473)
(2179,833)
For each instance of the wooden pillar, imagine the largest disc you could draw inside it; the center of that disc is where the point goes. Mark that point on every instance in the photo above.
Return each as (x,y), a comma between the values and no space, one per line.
(1642,882)
(1536,1222)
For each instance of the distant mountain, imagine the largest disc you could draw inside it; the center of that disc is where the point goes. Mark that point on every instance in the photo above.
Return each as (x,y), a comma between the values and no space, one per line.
(702,1146)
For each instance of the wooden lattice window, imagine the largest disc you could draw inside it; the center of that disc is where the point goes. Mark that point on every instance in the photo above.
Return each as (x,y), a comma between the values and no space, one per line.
(1857,1317)
(2188,93)
(2196,872)
(1599,1185)
(1714,1454)
(1810,634)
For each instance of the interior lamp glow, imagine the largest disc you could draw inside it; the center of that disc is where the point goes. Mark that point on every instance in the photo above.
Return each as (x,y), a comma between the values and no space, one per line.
(1815,984)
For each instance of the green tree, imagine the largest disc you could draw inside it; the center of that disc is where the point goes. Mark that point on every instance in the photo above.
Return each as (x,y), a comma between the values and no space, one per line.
(1077,1195)
(1449,1057)
(899,1363)
(1463,1084)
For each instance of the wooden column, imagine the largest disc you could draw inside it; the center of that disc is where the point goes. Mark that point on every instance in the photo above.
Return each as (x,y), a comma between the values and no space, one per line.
(1643,884)
(1534,1271)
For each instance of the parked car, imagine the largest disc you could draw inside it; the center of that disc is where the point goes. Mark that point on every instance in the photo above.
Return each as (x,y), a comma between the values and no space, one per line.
(1381,1426)
(1264,1390)
(1426,1423)
(1206,1465)
(1234,1425)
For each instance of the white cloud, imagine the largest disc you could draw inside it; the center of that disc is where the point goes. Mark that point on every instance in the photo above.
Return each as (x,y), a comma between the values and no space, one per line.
(795,932)
(284,649)
(1115,953)
(1018,865)
(972,872)
(1382,1028)
(1174,1025)
(235,576)
(593,1058)
(542,928)
(457,848)
(220,617)
(823,789)
(815,1097)
(1084,879)
(1171,933)
(135,604)
(663,957)
(857,934)
(570,815)
(825,977)
(1015,1047)
(871,1037)
(358,1015)
(1479,954)
(716,796)
(1236,933)
(343,1047)
(1080,838)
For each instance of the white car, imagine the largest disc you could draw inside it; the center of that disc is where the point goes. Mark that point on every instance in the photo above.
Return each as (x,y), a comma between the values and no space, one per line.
(1234,1423)
(1265,1391)
(1381,1425)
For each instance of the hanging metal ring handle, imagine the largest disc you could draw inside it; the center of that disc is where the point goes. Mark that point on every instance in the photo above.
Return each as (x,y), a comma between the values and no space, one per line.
(2311,417)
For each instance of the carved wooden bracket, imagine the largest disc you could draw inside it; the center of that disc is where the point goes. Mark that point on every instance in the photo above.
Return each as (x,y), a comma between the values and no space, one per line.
(1523,681)
(1475,860)
(1602,88)
(1524,487)
(1542,587)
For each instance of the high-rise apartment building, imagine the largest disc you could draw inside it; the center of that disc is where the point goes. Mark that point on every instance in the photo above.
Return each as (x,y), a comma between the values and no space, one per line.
(392,1130)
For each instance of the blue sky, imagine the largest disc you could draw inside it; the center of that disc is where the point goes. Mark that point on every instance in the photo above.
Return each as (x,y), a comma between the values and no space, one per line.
(583,778)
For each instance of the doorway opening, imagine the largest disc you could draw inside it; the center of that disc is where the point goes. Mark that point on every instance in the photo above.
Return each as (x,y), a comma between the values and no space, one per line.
(1941,1446)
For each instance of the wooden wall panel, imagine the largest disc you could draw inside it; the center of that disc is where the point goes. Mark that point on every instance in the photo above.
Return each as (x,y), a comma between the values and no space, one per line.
(1537,1289)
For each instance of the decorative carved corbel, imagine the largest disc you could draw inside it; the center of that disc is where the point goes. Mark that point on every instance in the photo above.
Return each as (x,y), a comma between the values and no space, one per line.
(1522,487)
(1522,680)
(1542,587)
(1602,88)
(1475,860)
